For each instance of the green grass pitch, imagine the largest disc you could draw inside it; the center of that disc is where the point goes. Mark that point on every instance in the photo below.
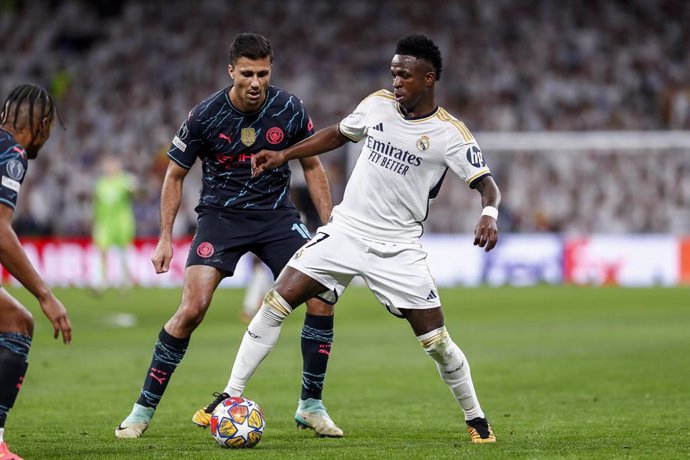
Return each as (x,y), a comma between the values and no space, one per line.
(562,372)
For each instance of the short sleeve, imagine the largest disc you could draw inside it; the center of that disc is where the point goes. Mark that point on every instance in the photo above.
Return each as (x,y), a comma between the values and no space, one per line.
(306,126)
(464,157)
(354,126)
(187,143)
(13,164)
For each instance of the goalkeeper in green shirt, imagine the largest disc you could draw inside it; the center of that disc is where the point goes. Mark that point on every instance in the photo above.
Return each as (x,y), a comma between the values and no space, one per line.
(113,218)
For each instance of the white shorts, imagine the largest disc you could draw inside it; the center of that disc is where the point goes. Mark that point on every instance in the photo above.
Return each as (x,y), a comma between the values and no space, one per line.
(397,273)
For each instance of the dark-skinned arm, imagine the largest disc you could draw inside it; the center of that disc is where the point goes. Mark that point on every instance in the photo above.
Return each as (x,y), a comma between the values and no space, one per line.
(14,259)
(324,140)
(486,232)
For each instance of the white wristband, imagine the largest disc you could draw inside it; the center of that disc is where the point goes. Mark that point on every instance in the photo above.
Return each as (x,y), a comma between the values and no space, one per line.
(490,211)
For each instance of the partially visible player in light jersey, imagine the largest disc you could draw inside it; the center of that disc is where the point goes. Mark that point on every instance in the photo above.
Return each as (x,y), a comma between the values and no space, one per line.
(410,144)
(113,216)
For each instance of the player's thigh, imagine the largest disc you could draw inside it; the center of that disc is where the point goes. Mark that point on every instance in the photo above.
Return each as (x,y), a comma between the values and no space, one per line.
(14,317)
(332,259)
(423,320)
(296,288)
(200,282)
(399,277)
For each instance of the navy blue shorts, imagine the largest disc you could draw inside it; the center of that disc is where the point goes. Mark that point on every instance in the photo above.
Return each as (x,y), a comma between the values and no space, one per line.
(221,239)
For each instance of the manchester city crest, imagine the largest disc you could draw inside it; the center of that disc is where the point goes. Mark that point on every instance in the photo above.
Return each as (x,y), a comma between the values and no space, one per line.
(248,136)
(423,143)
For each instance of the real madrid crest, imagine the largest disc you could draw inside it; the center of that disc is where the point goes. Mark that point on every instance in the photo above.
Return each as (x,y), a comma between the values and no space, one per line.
(248,136)
(423,143)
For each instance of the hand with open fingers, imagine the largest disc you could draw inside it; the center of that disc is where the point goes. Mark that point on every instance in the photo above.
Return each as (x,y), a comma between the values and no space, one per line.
(265,160)
(162,256)
(57,314)
(486,233)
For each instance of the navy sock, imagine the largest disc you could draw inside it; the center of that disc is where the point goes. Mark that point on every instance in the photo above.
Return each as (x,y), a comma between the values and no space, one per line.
(14,355)
(167,354)
(317,337)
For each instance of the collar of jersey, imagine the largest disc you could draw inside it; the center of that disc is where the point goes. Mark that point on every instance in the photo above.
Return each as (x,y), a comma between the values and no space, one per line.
(415,119)
(227,98)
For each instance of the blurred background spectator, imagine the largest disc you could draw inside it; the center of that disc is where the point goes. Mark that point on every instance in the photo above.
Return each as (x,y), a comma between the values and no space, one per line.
(126,73)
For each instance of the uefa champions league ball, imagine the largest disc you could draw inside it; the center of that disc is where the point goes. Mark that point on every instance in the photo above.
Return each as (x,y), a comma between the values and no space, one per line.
(237,423)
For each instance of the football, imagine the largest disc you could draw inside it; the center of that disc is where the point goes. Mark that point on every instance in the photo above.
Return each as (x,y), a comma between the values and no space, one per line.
(237,423)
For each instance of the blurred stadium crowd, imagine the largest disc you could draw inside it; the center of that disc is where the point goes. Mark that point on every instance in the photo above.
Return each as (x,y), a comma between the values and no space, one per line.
(126,73)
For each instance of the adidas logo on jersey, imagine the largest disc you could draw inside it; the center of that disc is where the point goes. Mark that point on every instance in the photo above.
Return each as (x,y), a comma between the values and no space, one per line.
(432,295)
(378,127)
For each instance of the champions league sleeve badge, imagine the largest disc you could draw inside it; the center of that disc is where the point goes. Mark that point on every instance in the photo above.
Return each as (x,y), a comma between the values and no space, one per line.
(178,140)
(15,169)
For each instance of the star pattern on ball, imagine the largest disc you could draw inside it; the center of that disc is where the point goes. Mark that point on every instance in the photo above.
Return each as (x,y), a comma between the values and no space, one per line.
(243,429)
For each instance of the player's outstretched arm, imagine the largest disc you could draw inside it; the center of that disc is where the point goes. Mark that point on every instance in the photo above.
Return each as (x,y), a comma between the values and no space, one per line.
(171,196)
(486,232)
(324,140)
(14,259)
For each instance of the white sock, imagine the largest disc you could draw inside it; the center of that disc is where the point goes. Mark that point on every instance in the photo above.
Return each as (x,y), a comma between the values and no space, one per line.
(258,286)
(260,338)
(2,433)
(454,370)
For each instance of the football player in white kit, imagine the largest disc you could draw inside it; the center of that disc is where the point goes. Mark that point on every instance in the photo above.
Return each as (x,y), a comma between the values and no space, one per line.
(409,144)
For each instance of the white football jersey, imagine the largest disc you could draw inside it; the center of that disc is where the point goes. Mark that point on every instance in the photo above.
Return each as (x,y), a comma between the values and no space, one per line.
(401,167)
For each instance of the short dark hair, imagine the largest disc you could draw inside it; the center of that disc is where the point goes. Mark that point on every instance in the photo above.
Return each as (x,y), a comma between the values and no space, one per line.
(26,104)
(251,46)
(421,47)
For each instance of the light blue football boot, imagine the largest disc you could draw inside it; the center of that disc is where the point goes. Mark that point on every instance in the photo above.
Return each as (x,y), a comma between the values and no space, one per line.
(312,414)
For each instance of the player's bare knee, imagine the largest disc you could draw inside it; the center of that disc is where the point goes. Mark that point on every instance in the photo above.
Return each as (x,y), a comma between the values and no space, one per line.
(423,320)
(296,287)
(194,316)
(188,317)
(15,317)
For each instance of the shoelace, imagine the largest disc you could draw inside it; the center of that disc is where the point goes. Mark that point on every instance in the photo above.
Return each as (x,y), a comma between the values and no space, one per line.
(219,397)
